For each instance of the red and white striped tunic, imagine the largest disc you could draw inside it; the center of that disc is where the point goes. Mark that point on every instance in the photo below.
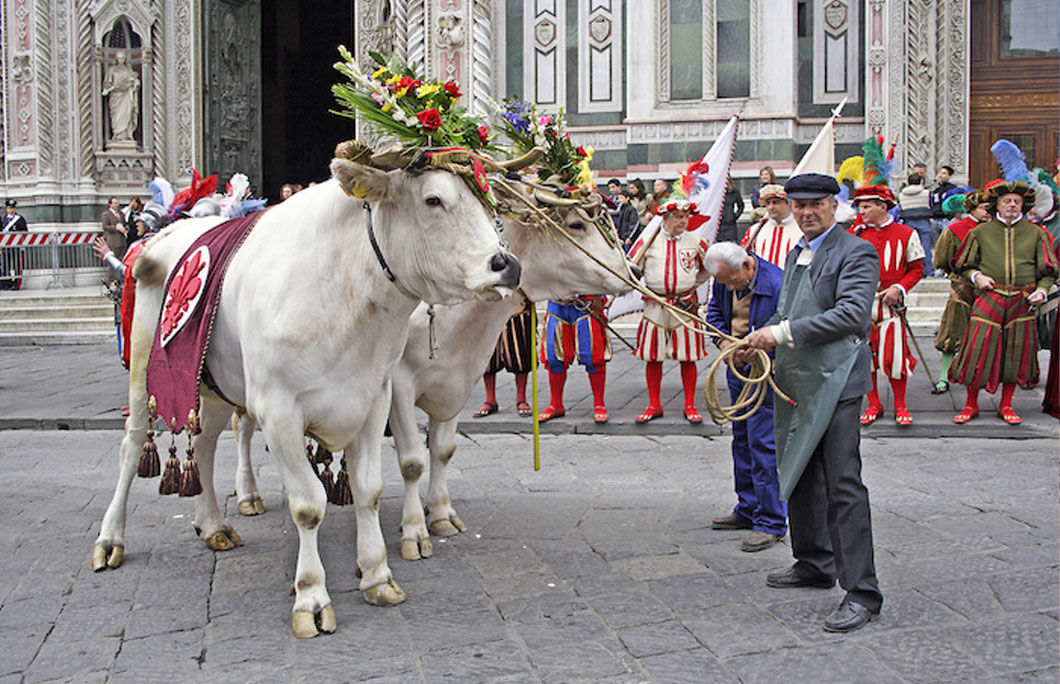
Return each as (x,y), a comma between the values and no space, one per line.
(773,240)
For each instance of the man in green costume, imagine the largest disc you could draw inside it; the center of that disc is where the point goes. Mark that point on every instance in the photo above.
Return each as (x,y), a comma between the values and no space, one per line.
(823,362)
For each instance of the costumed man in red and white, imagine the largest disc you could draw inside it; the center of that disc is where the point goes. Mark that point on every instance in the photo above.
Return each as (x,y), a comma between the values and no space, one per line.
(572,329)
(774,236)
(901,267)
(674,265)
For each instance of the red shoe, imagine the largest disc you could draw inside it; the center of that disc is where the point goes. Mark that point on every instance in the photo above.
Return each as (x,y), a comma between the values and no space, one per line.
(966,414)
(524,409)
(650,414)
(1009,416)
(600,414)
(550,413)
(902,417)
(871,414)
(125,410)
(692,415)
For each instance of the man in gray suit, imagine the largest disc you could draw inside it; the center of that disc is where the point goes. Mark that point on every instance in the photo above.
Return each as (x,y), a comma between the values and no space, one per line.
(823,362)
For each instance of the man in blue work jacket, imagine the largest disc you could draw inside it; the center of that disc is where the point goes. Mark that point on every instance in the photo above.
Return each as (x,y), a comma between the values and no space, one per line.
(746,291)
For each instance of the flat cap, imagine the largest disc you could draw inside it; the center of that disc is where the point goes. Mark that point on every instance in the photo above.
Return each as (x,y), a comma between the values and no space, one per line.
(811,186)
(771,190)
(11,203)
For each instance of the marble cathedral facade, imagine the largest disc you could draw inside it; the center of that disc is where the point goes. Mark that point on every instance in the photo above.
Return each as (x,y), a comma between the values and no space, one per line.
(647,84)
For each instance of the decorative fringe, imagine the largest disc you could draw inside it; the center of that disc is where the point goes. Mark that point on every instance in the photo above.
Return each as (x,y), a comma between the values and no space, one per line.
(309,454)
(170,483)
(190,485)
(323,456)
(150,464)
(341,494)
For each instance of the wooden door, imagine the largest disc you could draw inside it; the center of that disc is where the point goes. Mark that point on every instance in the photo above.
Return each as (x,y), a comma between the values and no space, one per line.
(1014,95)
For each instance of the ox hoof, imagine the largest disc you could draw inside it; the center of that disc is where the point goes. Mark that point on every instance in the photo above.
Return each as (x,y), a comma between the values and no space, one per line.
(447,528)
(412,549)
(385,594)
(307,625)
(251,507)
(223,540)
(104,557)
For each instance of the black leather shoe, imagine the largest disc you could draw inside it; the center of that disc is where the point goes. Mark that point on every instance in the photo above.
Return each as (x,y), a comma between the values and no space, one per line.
(790,577)
(850,615)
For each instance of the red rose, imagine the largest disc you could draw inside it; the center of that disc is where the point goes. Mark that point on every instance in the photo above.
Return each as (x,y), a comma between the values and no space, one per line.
(581,151)
(430,119)
(452,88)
(483,134)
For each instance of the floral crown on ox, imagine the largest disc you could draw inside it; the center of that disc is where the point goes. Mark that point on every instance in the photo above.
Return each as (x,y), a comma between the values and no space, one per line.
(431,129)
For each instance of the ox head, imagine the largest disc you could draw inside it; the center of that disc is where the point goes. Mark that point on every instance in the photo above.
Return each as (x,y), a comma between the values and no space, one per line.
(436,235)
(555,265)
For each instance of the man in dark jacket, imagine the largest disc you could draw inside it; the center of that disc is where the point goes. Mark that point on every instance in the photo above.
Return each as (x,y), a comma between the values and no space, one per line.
(14,257)
(823,363)
(627,223)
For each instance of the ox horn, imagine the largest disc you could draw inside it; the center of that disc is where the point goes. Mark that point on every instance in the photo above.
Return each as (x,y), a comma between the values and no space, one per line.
(353,150)
(553,200)
(523,161)
(392,158)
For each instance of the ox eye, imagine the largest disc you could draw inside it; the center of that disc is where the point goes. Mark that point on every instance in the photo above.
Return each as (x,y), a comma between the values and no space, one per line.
(434,201)
(576,226)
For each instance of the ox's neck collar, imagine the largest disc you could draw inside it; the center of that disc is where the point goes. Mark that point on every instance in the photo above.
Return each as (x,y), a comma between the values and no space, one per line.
(379,253)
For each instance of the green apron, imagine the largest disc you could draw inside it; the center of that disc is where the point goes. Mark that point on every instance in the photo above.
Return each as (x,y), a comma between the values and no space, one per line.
(814,376)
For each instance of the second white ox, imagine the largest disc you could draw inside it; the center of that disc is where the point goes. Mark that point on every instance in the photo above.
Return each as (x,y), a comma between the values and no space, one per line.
(466,334)
(307,332)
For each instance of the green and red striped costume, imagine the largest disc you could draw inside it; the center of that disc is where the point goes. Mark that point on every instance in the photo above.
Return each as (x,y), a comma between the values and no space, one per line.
(1001,345)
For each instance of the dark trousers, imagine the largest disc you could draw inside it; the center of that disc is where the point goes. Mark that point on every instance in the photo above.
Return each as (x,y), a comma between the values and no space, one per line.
(754,464)
(831,529)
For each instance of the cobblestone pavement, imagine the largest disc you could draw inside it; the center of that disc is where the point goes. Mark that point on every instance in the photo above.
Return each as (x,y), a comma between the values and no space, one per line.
(599,568)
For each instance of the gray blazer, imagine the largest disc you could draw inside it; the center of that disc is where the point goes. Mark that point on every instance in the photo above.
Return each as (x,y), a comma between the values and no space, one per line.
(844,273)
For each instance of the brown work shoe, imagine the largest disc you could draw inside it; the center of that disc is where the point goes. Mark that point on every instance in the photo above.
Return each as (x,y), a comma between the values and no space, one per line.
(730,522)
(758,541)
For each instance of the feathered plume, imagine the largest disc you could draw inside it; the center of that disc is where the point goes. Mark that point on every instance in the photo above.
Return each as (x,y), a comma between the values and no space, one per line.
(1012,161)
(851,169)
(876,169)
(694,179)
(235,191)
(186,199)
(250,205)
(1044,190)
(162,191)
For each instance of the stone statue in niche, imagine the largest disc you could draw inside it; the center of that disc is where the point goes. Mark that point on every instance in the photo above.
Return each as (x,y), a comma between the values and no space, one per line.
(122,90)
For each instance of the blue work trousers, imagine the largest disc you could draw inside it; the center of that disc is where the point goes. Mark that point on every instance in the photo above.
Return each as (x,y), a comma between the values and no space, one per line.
(754,460)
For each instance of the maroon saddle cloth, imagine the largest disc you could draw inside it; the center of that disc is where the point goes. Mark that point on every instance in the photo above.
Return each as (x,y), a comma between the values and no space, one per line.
(193,292)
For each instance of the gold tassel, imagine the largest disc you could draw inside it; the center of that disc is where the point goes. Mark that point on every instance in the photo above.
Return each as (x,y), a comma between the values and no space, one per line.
(342,495)
(150,465)
(170,483)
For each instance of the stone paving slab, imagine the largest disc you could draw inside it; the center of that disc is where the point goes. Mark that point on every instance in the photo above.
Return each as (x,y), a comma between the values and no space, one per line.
(601,567)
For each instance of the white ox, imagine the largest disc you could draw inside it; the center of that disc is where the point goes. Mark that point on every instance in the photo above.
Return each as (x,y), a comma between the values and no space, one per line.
(466,335)
(307,332)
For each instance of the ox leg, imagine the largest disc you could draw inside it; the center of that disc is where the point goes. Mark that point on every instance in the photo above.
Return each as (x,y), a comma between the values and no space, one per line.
(441,517)
(246,486)
(377,583)
(412,458)
(109,548)
(306,500)
(216,532)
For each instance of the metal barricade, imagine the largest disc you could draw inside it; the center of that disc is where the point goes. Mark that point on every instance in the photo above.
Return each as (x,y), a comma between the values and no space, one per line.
(25,255)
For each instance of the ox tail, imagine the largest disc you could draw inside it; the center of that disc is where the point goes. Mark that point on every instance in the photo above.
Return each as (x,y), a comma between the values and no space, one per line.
(148,271)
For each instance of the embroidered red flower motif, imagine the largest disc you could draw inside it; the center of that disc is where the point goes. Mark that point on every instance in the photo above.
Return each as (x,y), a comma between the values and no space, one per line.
(430,119)
(452,88)
(687,258)
(481,180)
(483,134)
(182,290)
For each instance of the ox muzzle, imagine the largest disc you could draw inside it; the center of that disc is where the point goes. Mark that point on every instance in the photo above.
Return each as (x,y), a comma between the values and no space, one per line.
(508,267)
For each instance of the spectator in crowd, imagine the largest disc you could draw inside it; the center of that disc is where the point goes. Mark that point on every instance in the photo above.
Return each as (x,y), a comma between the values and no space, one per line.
(939,219)
(915,211)
(131,210)
(661,190)
(626,222)
(640,198)
(766,176)
(731,209)
(823,362)
(744,298)
(614,186)
(114,228)
(13,258)
(286,190)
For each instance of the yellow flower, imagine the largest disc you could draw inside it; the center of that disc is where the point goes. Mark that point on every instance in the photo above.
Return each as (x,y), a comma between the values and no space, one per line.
(427,89)
(401,92)
(387,107)
(379,72)
(393,79)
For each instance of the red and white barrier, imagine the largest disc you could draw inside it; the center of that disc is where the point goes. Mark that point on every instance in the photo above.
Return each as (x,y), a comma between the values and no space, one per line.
(37,239)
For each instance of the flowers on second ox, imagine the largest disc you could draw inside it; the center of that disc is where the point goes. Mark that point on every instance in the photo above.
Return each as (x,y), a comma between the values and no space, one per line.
(527,128)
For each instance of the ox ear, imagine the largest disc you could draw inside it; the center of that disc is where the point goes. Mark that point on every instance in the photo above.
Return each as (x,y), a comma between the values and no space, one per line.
(361,181)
